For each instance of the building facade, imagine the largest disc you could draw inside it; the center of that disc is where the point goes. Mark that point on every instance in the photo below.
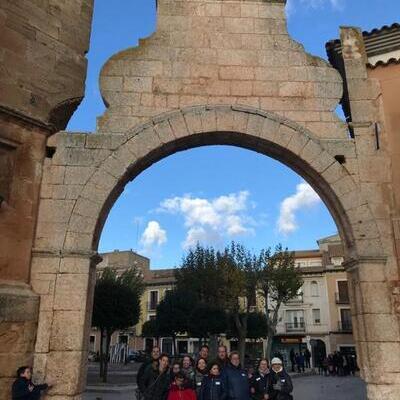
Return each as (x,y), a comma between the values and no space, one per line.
(318,318)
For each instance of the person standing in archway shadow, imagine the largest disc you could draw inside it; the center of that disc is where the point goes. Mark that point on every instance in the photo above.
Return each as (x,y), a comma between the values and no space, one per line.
(24,389)
(292,359)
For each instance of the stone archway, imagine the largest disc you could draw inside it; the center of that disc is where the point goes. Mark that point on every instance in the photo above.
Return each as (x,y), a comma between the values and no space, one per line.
(162,97)
(88,172)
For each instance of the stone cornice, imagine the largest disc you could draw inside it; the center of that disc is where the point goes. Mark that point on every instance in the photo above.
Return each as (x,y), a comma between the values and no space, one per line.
(353,263)
(94,256)
(20,117)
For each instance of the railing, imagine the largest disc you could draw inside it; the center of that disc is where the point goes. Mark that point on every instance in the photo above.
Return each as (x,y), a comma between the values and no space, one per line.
(345,326)
(342,299)
(296,299)
(295,327)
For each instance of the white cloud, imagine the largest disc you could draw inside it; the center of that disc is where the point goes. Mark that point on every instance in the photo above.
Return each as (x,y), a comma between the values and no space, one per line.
(292,5)
(305,197)
(209,221)
(153,236)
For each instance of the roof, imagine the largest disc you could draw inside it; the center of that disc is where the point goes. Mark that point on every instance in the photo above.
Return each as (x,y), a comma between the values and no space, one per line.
(307,253)
(382,46)
(161,277)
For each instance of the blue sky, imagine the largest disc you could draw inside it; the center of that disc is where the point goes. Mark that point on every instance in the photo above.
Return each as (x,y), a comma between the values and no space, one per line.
(215,194)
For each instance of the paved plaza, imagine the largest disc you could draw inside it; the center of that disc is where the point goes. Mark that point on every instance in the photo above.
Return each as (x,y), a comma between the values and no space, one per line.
(122,384)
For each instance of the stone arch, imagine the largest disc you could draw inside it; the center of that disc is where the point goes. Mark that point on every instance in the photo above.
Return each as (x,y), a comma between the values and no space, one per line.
(63,266)
(245,127)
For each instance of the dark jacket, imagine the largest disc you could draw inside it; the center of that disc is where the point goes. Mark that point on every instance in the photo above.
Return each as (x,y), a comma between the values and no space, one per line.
(154,385)
(236,383)
(259,383)
(142,369)
(286,386)
(212,388)
(20,390)
(222,363)
(198,380)
(190,377)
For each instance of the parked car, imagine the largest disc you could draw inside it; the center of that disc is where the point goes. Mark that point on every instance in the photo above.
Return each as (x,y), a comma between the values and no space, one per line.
(93,356)
(137,356)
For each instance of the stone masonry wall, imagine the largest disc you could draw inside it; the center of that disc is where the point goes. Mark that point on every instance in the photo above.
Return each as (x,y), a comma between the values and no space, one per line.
(42,55)
(220,52)
(42,74)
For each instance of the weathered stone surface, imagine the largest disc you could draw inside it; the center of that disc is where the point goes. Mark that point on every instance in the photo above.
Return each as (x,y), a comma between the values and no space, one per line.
(193,82)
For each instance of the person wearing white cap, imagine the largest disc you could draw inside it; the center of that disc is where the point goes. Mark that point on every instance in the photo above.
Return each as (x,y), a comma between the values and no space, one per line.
(280,384)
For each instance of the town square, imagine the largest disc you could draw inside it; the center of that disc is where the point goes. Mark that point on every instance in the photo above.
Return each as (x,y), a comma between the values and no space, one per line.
(199,199)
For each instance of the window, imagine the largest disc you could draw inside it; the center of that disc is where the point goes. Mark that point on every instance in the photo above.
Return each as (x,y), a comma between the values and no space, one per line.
(316,314)
(153,300)
(343,292)
(345,324)
(295,320)
(314,289)
(252,299)
(92,343)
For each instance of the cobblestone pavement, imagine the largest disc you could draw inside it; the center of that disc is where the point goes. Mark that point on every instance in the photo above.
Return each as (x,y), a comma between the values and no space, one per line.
(306,388)
(329,388)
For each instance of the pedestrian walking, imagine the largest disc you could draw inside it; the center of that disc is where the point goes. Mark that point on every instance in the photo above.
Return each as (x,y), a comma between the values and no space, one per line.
(235,379)
(24,389)
(259,383)
(200,372)
(280,384)
(293,359)
(300,362)
(155,381)
(212,387)
(178,390)
(307,358)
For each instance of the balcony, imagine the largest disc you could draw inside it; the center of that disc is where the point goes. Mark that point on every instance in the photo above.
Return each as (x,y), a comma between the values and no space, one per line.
(296,300)
(345,326)
(342,299)
(294,327)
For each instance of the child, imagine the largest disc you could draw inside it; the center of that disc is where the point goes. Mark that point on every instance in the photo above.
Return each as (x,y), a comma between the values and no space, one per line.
(178,391)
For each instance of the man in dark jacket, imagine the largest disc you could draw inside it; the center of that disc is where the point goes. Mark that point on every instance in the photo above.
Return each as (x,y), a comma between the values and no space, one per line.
(155,381)
(222,357)
(153,359)
(280,384)
(235,379)
(23,388)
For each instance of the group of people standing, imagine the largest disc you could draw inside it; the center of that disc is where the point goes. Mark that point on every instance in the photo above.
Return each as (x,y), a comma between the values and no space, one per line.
(204,379)
(337,364)
(300,360)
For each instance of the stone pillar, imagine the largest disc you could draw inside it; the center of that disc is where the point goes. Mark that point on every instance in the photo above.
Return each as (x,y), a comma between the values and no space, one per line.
(19,308)
(375,327)
(65,284)
(373,282)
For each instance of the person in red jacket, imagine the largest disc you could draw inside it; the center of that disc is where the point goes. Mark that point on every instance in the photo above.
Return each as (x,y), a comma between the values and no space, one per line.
(179,391)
